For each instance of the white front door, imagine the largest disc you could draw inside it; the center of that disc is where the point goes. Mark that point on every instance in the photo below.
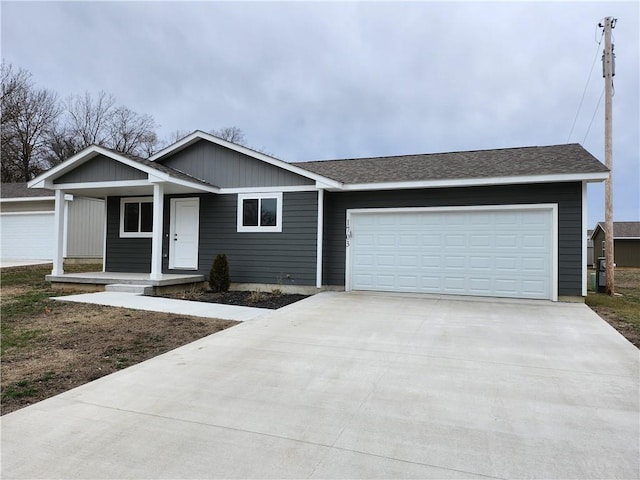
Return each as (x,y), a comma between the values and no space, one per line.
(184,233)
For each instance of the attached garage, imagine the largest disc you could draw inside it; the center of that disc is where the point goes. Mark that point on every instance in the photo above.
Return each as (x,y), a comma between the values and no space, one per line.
(497,251)
(27,235)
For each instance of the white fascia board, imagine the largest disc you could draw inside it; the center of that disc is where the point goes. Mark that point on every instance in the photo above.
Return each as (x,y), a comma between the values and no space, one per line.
(473,182)
(194,185)
(26,199)
(200,135)
(92,185)
(292,188)
(626,238)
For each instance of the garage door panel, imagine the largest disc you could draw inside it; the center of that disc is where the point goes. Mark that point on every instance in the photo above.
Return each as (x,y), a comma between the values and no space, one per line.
(27,236)
(490,253)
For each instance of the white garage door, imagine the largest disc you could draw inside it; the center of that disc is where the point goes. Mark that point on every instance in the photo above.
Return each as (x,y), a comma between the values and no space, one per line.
(26,236)
(507,252)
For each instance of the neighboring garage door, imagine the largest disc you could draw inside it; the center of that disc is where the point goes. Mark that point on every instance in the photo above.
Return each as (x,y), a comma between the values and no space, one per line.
(26,236)
(485,251)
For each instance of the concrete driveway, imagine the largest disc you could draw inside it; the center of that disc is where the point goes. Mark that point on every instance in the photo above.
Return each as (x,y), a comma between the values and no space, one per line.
(346,385)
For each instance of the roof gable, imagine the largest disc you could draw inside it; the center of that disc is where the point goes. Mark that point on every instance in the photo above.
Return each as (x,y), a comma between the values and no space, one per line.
(101,168)
(621,230)
(228,168)
(115,164)
(198,135)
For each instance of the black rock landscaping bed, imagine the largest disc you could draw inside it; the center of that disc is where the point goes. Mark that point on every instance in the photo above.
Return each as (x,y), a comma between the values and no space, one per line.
(272,300)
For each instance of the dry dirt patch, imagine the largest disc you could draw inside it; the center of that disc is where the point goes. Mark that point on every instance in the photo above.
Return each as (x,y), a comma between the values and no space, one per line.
(49,347)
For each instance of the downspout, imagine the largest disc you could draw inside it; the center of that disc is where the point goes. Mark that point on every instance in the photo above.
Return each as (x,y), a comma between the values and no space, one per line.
(320,232)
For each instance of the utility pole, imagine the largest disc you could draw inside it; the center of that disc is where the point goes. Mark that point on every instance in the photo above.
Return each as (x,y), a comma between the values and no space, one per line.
(608,71)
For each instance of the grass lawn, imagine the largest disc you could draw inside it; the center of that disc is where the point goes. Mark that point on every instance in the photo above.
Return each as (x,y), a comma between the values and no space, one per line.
(622,310)
(48,347)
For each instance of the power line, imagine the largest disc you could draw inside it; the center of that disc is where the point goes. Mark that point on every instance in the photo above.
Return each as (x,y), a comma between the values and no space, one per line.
(585,87)
(594,116)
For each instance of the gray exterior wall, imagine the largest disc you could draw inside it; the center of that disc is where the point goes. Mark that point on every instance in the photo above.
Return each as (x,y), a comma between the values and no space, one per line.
(85,227)
(229,169)
(124,254)
(101,169)
(568,196)
(287,257)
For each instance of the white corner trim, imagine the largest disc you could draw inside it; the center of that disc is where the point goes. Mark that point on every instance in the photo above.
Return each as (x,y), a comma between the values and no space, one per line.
(259,195)
(320,238)
(584,239)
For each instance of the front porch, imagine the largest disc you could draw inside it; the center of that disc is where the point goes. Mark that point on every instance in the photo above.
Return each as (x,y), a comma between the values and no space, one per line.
(97,280)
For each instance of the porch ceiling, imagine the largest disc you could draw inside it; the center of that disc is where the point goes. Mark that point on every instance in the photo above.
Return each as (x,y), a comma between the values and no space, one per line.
(128,190)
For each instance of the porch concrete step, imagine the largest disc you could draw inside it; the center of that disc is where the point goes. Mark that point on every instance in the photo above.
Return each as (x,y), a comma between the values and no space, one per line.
(127,288)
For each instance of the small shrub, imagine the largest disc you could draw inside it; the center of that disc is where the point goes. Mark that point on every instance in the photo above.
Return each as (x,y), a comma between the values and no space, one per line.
(276,292)
(219,279)
(257,296)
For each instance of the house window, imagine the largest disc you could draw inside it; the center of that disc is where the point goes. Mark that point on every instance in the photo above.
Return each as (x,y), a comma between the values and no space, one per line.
(603,249)
(260,212)
(136,217)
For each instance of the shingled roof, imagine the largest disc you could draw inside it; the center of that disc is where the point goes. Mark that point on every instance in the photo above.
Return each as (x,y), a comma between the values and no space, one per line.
(507,162)
(622,229)
(20,190)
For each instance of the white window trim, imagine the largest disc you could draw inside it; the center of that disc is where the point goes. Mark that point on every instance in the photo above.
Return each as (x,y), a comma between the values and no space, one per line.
(124,234)
(260,196)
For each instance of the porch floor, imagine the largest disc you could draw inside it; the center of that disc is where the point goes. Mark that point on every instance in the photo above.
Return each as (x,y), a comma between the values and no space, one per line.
(107,278)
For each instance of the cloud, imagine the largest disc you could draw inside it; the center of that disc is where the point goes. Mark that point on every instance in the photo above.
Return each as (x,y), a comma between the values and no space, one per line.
(332,80)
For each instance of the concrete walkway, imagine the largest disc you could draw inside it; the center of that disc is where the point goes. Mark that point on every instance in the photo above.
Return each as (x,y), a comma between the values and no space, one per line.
(168,305)
(344,385)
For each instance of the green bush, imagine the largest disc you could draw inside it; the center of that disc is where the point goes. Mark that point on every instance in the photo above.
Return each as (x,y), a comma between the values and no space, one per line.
(219,280)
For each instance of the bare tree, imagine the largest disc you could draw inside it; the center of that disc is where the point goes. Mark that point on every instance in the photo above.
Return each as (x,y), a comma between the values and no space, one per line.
(96,120)
(132,133)
(88,118)
(230,134)
(28,115)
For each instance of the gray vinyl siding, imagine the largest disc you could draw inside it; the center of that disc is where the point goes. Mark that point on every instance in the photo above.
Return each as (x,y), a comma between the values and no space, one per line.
(568,196)
(230,169)
(85,225)
(101,169)
(287,257)
(124,254)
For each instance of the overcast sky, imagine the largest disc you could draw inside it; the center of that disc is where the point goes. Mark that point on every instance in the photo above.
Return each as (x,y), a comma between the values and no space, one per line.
(312,81)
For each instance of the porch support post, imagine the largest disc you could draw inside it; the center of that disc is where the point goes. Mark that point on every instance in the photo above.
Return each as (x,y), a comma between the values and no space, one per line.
(58,234)
(156,239)
(320,232)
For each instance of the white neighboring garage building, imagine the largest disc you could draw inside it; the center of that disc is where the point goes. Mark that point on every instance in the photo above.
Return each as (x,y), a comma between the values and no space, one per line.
(27,220)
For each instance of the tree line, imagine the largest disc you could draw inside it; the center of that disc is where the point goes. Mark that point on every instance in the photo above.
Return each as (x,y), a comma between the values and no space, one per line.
(39,130)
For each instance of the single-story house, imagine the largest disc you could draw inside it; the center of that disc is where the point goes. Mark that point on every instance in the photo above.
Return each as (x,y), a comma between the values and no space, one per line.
(590,260)
(626,243)
(27,225)
(504,223)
